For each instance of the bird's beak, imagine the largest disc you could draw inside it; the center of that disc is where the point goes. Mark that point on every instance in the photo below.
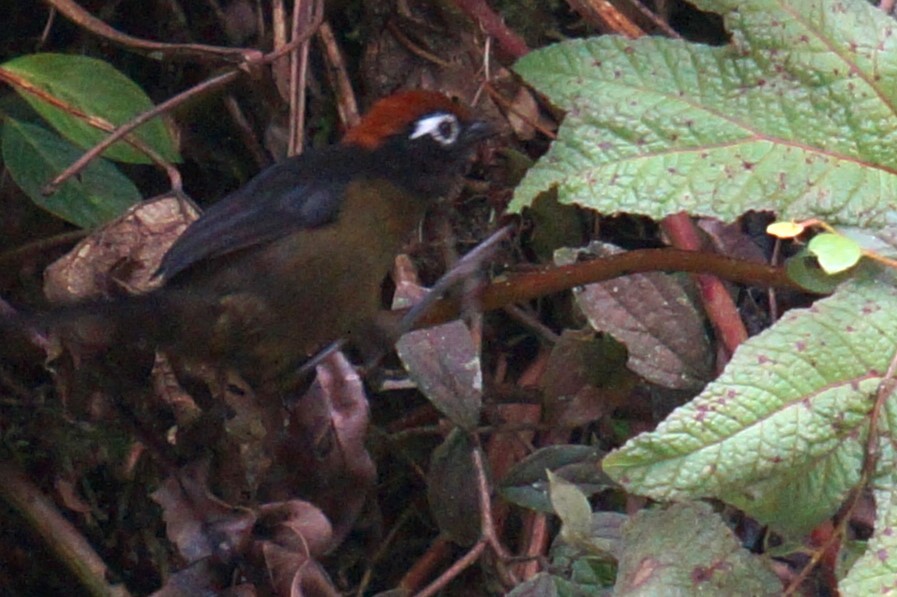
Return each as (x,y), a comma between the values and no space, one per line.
(478,130)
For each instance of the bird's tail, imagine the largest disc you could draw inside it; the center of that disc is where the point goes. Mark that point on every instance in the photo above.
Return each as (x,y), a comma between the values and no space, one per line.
(100,324)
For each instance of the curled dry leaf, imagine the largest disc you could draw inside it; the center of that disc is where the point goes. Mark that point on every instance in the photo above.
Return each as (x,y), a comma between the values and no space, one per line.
(323,456)
(125,252)
(200,524)
(525,111)
(291,535)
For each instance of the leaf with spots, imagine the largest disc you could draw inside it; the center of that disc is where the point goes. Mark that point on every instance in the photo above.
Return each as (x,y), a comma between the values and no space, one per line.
(796,115)
(687,549)
(654,316)
(875,572)
(781,432)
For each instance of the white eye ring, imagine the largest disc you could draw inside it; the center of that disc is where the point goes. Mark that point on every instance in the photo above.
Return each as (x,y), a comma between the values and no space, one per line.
(444,128)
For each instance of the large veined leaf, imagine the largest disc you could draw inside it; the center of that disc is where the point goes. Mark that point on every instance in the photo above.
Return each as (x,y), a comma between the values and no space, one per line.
(687,549)
(94,88)
(875,572)
(796,115)
(781,432)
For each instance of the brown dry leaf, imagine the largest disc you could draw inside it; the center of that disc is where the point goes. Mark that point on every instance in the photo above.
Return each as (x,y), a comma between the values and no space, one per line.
(168,389)
(293,534)
(295,525)
(444,362)
(200,524)
(126,252)
(585,378)
(729,239)
(655,317)
(323,457)
(246,449)
(452,489)
(525,110)
(68,494)
(294,575)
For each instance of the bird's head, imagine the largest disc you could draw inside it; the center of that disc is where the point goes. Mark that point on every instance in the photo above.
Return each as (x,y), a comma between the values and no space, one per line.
(420,136)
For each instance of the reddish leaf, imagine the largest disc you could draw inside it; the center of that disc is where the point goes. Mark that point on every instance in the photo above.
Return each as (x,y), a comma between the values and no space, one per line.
(197,522)
(655,317)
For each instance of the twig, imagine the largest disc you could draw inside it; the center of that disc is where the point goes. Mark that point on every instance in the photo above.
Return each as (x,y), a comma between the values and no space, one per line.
(123,130)
(498,98)
(870,457)
(602,14)
(338,75)
(420,570)
(459,272)
(494,26)
(74,12)
(302,11)
(204,87)
(652,16)
(469,559)
(520,287)
(487,532)
(94,121)
(41,246)
(58,534)
(246,133)
(14,318)
(415,49)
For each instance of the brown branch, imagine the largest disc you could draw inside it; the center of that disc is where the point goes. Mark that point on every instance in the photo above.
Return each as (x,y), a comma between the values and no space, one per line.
(718,303)
(654,18)
(122,131)
(99,123)
(204,87)
(870,458)
(302,16)
(420,570)
(494,26)
(75,13)
(338,75)
(521,287)
(601,14)
(58,534)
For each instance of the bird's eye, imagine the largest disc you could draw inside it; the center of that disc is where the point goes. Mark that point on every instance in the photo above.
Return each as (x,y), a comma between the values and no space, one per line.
(444,128)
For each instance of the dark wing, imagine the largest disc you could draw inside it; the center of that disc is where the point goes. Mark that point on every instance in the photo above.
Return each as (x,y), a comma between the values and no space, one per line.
(295,194)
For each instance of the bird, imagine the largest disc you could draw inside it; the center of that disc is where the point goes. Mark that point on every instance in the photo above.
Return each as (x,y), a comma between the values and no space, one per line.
(295,260)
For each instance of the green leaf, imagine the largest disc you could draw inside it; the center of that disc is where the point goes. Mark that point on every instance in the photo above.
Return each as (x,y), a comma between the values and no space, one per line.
(687,549)
(541,585)
(835,253)
(780,434)
(526,483)
(95,88)
(795,116)
(875,572)
(804,269)
(572,506)
(35,155)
